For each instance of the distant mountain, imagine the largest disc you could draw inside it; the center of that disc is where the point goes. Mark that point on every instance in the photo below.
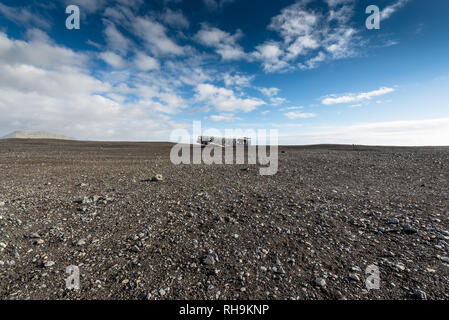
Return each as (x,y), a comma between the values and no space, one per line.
(34,135)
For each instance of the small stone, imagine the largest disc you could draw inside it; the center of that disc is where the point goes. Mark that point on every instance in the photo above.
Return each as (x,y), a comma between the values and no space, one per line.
(421,295)
(354,277)
(278,270)
(356,269)
(3,245)
(2,203)
(320,282)
(39,241)
(81,242)
(35,235)
(126,281)
(162,292)
(444,259)
(235,236)
(209,260)
(157,178)
(407,229)
(394,221)
(400,267)
(263,268)
(49,264)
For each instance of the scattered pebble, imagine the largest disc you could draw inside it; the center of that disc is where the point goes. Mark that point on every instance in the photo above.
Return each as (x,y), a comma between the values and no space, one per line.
(320,282)
(49,264)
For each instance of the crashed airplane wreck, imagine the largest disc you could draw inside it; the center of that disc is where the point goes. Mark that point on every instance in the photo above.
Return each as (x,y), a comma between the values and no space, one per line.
(223,142)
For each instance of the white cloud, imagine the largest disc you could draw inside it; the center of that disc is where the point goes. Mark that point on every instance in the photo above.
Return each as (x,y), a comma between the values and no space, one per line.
(116,40)
(64,82)
(157,99)
(276,101)
(186,72)
(335,3)
(223,99)
(299,115)
(38,51)
(175,19)
(388,11)
(433,132)
(224,117)
(270,54)
(313,62)
(45,87)
(146,63)
(309,35)
(299,29)
(155,37)
(291,108)
(23,16)
(224,43)
(113,59)
(351,98)
(90,6)
(216,4)
(238,80)
(272,93)
(269,92)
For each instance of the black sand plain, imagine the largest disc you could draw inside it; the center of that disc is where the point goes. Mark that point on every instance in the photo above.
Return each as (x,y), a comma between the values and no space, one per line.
(222,231)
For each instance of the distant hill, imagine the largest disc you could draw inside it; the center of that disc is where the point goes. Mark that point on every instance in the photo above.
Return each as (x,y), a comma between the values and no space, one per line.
(34,135)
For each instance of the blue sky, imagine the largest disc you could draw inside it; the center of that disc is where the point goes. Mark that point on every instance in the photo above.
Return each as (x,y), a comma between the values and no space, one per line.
(138,70)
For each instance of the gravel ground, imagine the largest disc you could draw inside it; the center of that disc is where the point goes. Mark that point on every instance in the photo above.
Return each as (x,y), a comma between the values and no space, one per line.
(222,231)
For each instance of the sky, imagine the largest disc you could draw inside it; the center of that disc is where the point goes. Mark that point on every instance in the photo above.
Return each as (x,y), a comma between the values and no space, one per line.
(140,70)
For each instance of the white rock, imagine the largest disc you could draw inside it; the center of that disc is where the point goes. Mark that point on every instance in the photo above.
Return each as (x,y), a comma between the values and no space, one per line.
(49,264)
(320,282)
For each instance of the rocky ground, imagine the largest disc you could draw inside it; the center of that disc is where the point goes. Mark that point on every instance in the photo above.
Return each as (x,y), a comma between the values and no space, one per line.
(222,231)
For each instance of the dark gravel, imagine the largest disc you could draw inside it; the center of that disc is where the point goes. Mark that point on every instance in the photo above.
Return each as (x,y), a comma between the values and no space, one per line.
(222,231)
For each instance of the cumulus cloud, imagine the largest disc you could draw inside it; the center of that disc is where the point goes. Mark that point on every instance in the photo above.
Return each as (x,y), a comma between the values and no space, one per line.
(225,100)
(313,62)
(299,115)
(388,11)
(216,4)
(175,18)
(272,93)
(335,3)
(238,80)
(38,51)
(309,35)
(270,54)
(224,43)
(223,117)
(145,63)
(90,6)
(116,40)
(113,59)
(45,87)
(269,92)
(351,98)
(291,108)
(155,37)
(24,16)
